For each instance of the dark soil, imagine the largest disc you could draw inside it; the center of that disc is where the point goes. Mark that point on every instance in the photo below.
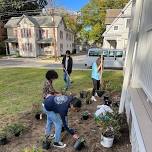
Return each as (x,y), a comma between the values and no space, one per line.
(86,128)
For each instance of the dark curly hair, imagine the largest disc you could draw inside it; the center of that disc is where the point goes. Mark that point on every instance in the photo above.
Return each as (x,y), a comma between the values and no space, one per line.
(51,74)
(76,102)
(68,52)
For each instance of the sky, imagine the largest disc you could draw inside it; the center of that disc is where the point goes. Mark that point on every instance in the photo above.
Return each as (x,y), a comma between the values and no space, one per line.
(74,5)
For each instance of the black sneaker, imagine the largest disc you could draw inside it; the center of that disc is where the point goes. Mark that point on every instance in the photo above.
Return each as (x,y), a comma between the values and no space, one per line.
(59,144)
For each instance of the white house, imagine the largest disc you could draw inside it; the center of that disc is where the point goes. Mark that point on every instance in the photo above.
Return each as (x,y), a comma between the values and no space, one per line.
(116,34)
(136,98)
(32,36)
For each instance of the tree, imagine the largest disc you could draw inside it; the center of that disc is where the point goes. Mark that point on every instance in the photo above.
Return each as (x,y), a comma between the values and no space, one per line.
(72,24)
(9,8)
(93,16)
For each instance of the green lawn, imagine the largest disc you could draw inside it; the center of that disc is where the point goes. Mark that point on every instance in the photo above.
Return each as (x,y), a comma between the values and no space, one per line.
(20,87)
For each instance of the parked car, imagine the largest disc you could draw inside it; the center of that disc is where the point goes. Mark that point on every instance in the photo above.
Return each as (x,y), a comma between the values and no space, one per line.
(113,58)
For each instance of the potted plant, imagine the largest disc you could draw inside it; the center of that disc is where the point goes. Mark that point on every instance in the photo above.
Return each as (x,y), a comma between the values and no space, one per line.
(3,138)
(16,129)
(79,144)
(88,98)
(36,109)
(83,94)
(100,92)
(110,129)
(85,115)
(45,142)
(32,149)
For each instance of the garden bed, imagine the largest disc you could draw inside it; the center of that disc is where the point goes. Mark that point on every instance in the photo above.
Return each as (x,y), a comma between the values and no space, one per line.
(87,128)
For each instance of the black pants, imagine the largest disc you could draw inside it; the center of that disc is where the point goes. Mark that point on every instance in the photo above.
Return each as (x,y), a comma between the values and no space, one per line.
(96,86)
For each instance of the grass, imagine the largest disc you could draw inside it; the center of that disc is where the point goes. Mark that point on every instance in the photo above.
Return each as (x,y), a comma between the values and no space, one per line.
(21,87)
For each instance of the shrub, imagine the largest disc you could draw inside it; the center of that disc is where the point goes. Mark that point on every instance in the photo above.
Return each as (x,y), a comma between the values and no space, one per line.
(33,149)
(15,129)
(2,48)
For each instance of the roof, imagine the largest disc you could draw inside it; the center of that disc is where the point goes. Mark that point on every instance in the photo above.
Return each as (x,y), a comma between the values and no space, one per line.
(111,14)
(13,40)
(121,14)
(42,21)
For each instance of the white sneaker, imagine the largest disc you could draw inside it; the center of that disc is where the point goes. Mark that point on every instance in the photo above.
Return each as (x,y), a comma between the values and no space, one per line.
(52,136)
(93,98)
(59,144)
(96,94)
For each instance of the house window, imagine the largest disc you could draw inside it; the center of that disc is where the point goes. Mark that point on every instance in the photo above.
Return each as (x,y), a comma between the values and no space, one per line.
(15,33)
(115,27)
(61,48)
(70,38)
(37,33)
(128,23)
(66,36)
(47,34)
(61,35)
(25,33)
(42,33)
(27,47)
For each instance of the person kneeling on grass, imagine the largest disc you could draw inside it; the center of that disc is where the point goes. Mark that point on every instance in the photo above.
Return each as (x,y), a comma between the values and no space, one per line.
(56,108)
(48,88)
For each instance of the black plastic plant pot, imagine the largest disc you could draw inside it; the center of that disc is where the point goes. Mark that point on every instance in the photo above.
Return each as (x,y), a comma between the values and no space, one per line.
(107,102)
(38,116)
(17,134)
(81,94)
(100,93)
(106,97)
(46,145)
(3,141)
(85,117)
(79,144)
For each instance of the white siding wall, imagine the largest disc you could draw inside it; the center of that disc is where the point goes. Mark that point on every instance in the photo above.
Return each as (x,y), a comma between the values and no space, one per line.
(141,77)
(135,136)
(142,73)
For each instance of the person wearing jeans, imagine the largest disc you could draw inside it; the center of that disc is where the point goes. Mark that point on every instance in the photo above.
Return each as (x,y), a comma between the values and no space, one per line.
(54,118)
(67,80)
(96,76)
(56,108)
(67,63)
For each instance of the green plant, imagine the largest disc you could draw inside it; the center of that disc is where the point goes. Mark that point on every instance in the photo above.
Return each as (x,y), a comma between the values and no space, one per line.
(3,134)
(2,48)
(88,97)
(85,113)
(15,129)
(110,125)
(106,85)
(17,53)
(33,149)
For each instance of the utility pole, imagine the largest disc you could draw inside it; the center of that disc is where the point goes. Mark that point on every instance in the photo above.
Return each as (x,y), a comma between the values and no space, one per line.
(54,32)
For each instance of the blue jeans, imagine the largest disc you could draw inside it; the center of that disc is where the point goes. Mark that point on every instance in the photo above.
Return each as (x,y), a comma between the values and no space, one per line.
(53,118)
(67,80)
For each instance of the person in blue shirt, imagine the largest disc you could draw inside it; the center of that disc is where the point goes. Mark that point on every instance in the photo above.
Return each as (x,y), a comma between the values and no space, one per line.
(96,76)
(56,108)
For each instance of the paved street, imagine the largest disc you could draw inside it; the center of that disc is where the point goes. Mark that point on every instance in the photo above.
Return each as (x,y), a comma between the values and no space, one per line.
(79,62)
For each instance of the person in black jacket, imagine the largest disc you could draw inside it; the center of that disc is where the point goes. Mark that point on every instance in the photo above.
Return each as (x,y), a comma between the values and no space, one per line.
(67,64)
